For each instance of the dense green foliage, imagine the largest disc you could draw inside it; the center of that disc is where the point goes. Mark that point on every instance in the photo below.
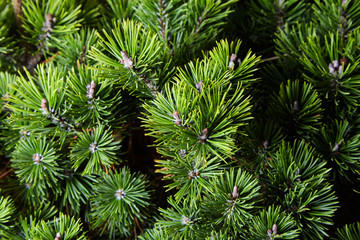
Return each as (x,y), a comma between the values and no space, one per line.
(179,119)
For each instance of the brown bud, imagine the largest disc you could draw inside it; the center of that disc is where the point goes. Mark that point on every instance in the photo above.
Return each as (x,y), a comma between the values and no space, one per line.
(91,90)
(232,61)
(93,147)
(204,135)
(48,17)
(37,158)
(126,61)
(58,236)
(235,193)
(343,60)
(120,194)
(191,174)
(25,133)
(177,118)
(44,106)
(185,220)
(49,22)
(274,229)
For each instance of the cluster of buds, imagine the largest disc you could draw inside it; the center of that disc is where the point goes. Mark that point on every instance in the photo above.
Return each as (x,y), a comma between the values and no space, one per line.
(235,194)
(336,148)
(49,23)
(93,147)
(129,64)
(232,61)
(199,86)
(24,133)
(120,194)
(126,61)
(58,236)
(204,135)
(177,118)
(335,68)
(44,107)
(272,232)
(194,174)
(37,158)
(185,220)
(91,90)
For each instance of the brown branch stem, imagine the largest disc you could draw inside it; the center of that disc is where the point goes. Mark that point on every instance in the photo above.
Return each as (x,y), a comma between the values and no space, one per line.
(5,173)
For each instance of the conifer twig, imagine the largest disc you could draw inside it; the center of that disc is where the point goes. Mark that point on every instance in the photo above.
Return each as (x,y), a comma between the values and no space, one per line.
(137,223)
(5,173)
(18,11)
(270,59)
(6,165)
